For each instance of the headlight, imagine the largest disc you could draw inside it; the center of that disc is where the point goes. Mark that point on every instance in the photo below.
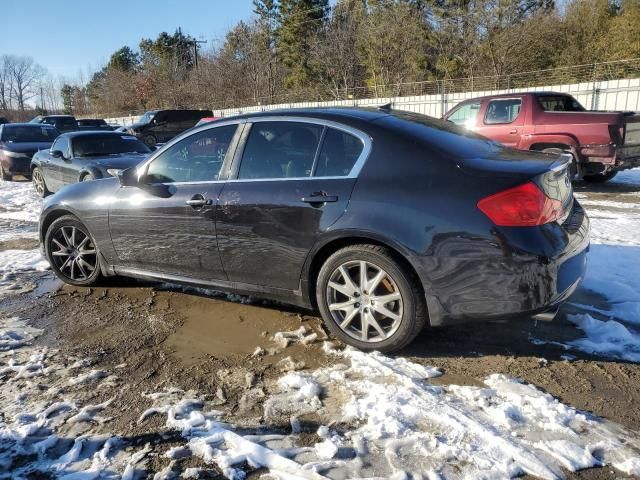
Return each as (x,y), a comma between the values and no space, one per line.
(114,172)
(11,154)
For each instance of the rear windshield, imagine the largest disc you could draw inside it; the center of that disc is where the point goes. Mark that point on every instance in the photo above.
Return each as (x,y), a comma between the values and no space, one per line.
(559,103)
(28,133)
(98,145)
(445,135)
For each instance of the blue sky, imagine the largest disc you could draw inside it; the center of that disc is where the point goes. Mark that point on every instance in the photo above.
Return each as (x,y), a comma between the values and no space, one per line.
(72,36)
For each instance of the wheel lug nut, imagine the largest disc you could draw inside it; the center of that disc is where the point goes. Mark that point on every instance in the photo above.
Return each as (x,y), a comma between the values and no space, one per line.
(357,305)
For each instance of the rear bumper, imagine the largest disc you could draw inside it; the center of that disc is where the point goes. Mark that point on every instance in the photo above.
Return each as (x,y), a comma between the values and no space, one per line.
(514,283)
(604,158)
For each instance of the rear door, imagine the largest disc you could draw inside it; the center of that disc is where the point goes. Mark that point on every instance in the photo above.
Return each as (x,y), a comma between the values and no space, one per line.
(502,120)
(292,180)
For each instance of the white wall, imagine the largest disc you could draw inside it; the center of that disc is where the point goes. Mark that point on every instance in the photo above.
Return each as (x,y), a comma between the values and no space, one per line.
(610,95)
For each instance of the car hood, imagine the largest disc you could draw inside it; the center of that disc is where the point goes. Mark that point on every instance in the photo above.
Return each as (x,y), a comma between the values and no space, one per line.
(135,126)
(25,147)
(119,161)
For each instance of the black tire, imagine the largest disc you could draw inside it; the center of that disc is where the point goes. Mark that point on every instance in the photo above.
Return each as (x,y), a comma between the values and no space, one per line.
(87,177)
(600,178)
(150,141)
(72,273)
(7,177)
(39,185)
(413,316)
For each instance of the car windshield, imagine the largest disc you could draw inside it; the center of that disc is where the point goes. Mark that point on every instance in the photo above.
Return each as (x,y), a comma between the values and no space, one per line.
(28,133)
(147,117)
(559,103)
(91,123)
(98,145)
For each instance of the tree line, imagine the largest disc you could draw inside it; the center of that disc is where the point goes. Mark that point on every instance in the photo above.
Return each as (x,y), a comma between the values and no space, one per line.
(294,50)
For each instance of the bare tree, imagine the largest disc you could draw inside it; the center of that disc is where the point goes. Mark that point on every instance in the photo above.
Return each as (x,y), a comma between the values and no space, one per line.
(25,76)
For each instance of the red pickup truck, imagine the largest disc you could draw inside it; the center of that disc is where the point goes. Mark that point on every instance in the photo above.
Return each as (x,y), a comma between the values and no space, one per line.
(601,143)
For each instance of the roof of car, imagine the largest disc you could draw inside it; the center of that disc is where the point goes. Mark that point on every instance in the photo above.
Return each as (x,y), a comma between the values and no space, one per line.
(515,94)
(56,116)
(28,124)
(365,114)
(89,133)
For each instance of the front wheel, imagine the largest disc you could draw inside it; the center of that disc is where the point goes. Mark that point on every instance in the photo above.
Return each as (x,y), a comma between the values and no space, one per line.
(150,141)
(368,300)
(72,253)
(601,177)
(39,184)
(87,177)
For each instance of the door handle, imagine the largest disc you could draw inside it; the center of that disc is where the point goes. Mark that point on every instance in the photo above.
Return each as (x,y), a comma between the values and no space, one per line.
(513,131)
(198,201)
(320,197)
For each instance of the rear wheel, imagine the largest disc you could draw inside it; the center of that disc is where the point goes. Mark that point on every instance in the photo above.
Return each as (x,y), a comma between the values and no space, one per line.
(39,184)
(368,300)
(72,253)
(600,178)
(7,177)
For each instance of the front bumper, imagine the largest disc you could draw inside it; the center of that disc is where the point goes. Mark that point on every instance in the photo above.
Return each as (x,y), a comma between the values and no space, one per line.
(17,166)
(509,282)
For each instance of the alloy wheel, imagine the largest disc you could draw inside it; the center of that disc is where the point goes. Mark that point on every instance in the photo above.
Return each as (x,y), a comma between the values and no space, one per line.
(364,301)
(73,253)
(38,182)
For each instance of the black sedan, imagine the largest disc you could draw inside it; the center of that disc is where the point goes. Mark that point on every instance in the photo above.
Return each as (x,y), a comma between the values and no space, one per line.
(82,156)
(384,221)
(18,144)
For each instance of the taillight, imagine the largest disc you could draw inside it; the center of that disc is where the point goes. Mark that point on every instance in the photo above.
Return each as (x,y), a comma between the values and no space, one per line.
(522,206)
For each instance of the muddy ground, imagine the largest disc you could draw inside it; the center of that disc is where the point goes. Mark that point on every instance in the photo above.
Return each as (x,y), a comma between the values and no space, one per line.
(156,336)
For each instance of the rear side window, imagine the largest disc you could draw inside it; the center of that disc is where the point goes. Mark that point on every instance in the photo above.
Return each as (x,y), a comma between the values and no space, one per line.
(559,103)
(197,158)
(280,150)
(503,111)
(338,155)
(466,114)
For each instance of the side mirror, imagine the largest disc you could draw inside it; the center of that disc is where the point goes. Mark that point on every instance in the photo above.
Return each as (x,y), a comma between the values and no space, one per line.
(57,154)
(128,177)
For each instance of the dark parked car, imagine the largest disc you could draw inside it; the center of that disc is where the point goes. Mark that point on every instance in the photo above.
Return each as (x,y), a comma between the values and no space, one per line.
(93,124)
(384,221)
(18,143)
(160,126)
(3,120)
(83,156)
(64,123)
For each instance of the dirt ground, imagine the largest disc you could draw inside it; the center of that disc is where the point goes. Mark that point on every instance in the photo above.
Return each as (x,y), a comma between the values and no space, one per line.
(157,336)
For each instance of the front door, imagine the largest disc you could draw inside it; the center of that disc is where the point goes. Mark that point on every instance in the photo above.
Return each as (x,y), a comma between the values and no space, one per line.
(53,168)
(293,182)
(166,224)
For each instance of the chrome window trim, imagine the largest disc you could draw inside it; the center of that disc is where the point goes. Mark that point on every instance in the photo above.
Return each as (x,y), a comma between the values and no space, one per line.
(355,170)
(192,131)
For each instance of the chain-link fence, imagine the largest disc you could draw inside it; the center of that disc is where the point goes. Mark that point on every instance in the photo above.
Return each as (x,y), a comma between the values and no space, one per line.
(587,82)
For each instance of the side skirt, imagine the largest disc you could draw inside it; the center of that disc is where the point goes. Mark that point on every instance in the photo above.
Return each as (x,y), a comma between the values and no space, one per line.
(293,297)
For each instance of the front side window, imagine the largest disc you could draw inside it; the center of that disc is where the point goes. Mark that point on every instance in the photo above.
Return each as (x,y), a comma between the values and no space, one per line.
(197,158)
(61,144)
(99,145)
(503,111)
(280,150)
(338,155)
(465,115)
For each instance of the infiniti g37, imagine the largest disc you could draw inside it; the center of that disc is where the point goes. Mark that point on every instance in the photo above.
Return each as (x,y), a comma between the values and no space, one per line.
(383,221)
